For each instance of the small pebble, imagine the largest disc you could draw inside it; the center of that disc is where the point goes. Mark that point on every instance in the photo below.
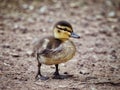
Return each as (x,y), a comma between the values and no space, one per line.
(25,6)
(31,7)
(29,53)
(15,55)
(6,64)
(84,71)
(42,10)
(65,72)
(6,46)
(112,14)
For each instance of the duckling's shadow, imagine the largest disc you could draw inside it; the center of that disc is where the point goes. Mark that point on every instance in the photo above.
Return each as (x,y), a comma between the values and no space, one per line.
(65,76)
(57,77)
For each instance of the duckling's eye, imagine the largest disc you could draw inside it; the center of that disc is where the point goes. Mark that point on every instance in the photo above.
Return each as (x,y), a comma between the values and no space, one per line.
(58,31)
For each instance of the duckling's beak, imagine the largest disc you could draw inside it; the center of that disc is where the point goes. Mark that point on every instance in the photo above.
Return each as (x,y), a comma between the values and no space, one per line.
(74,35)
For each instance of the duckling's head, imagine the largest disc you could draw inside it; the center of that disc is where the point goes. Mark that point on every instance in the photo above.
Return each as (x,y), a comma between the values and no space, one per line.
(63,31)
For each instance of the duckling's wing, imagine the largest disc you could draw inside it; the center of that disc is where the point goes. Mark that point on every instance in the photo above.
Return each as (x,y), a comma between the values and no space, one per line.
(39,45)
(47,46)
(51,52)
(52,47)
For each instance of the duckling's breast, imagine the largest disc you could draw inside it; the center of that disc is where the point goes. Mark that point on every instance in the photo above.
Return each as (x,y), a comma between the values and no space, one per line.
(59,55)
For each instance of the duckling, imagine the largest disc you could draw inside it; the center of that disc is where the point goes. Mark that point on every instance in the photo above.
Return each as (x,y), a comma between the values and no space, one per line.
(56,49)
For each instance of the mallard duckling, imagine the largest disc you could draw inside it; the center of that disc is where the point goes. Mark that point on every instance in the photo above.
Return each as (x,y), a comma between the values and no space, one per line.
(56,49)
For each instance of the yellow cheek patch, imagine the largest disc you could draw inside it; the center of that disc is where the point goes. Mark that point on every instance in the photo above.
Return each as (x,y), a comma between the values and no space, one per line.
(64,34)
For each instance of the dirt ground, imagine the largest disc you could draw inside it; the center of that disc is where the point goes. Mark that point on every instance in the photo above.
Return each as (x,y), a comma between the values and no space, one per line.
(96,65)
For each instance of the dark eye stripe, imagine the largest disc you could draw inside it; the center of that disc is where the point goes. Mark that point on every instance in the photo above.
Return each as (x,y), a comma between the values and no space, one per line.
(64,29)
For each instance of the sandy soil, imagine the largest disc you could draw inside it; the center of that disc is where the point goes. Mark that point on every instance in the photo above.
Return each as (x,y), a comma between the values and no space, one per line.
(96,65)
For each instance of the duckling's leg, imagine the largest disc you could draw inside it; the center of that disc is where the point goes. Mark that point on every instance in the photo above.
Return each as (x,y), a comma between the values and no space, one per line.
(58,76)
(39,75)
(57,70)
